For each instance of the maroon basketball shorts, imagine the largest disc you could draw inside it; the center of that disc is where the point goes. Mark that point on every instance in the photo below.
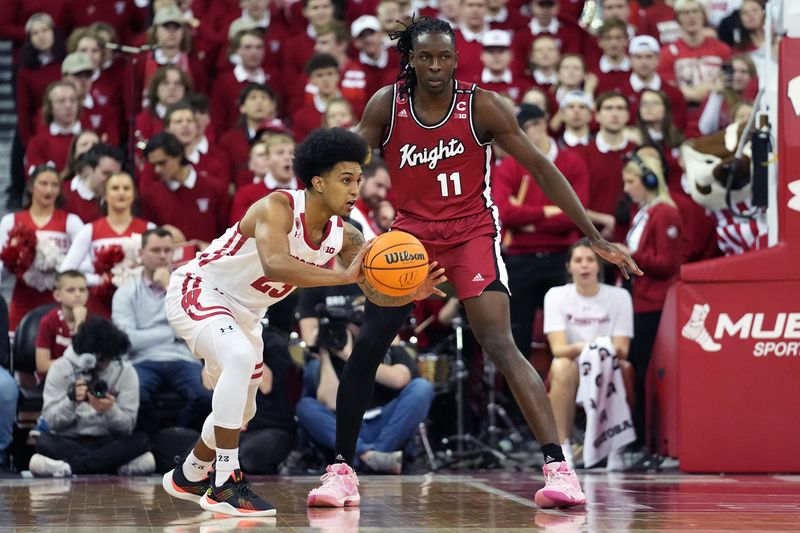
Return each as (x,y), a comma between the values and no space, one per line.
(467,248)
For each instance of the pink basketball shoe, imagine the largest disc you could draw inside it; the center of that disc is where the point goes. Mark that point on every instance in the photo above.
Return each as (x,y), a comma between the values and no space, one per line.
(561,487)
(339,488)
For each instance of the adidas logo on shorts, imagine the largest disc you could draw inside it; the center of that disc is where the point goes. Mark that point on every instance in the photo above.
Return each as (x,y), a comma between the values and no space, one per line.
(478,277)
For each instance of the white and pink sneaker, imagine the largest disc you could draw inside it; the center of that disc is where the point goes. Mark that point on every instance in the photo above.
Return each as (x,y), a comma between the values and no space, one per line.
(561,487)
(339,488)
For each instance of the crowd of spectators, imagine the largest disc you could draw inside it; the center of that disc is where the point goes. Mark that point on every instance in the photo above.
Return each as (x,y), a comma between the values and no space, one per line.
(145,128)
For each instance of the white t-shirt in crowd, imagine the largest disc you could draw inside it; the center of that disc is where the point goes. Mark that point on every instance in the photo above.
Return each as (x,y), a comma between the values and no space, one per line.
(584,318)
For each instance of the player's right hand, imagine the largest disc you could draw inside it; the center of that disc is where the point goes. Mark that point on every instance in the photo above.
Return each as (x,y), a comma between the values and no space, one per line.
(435,277)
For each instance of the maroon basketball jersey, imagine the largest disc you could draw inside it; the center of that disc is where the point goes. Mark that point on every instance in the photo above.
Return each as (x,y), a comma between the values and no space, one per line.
(439,171)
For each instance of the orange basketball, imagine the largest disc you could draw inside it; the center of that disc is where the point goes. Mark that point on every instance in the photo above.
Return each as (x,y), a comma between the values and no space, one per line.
(396,264)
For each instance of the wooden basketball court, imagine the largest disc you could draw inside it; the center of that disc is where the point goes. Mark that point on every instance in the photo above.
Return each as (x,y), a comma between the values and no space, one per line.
(434,502)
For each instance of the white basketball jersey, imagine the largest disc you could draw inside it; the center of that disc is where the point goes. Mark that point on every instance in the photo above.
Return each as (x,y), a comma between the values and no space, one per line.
(231,264)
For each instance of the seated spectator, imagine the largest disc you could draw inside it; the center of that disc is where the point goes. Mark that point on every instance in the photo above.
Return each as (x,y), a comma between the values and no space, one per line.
(323,74)
(604,157)
(378,63)
(93,249)
(257,103)
(9,392)
(644,53)
(59,325)
(339,114)
(168,86)
(268,438)
(654,243)
(658,21)
(161,359)
(738,83)
(210,162)
(91,398)
(536,232)
(271,20)
(101,96)
(39,66)
(80,144)
(271,168)
(247,45)
(575,315)
(472,25)
(127,18)
(749,34)
(84,190)
(694,60)
(399,403)
(567,36)
(502,16)
(202,114)
(576,114)
(172,47)
(333,39)
(61,115)
(40,215)
(375,185)
(298,49)
(497,74)
(543,58)
(572,76)
(614,67)
(197,206)
(656,129)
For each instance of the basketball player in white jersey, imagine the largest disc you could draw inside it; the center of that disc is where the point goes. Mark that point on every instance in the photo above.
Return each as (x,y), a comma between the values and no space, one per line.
(216,302)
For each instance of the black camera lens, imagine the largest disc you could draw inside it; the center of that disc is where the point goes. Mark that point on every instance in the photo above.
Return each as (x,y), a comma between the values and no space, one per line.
(98,388)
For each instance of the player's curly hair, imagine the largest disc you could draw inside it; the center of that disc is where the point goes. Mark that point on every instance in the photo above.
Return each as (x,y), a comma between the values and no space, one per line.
(405,43)
(102,338)
(324,148)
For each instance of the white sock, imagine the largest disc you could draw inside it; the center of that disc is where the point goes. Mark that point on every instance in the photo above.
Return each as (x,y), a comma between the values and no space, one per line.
(566,448)
(227,462)
(194,469)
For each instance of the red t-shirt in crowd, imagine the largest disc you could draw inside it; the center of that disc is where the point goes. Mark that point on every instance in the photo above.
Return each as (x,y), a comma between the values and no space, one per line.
(54,333)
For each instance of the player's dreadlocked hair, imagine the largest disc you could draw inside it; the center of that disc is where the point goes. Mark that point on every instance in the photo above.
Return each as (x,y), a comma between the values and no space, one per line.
(405,43)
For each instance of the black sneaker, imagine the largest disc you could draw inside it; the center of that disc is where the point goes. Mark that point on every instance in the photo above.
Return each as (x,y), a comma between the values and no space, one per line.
(235,498)
(176,484)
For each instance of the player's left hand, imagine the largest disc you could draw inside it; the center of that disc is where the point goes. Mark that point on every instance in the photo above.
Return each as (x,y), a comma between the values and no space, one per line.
(435,277)
(615,255)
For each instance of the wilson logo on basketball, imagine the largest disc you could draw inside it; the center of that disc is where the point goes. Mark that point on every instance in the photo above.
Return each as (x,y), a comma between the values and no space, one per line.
(403,257)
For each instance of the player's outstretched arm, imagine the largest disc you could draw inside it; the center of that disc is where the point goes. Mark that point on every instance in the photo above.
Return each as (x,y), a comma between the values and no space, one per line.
(273,220)
(354,249)
(497,120)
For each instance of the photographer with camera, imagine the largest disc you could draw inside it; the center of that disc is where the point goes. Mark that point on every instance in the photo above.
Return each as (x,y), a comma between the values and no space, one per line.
(400,400)
(735,85)
(91,398)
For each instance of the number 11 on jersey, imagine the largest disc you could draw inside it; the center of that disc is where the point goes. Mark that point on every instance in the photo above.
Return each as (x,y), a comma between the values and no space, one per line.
(455,177)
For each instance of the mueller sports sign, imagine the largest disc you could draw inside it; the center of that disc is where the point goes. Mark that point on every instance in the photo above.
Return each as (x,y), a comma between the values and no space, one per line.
(770,333)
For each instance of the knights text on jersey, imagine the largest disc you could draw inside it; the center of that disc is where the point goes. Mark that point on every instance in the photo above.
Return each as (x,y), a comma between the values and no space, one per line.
(232,266)
(439,171)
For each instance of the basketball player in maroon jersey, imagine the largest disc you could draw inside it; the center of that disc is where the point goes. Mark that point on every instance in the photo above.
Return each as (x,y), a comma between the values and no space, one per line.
(436,133)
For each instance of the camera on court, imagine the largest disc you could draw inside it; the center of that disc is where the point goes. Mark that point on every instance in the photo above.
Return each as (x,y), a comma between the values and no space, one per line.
(335,315)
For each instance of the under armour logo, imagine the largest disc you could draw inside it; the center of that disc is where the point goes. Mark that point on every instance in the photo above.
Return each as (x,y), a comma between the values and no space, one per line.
(226,330)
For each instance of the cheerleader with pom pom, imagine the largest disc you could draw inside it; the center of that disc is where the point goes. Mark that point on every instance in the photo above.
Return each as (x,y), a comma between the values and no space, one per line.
(34,241)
